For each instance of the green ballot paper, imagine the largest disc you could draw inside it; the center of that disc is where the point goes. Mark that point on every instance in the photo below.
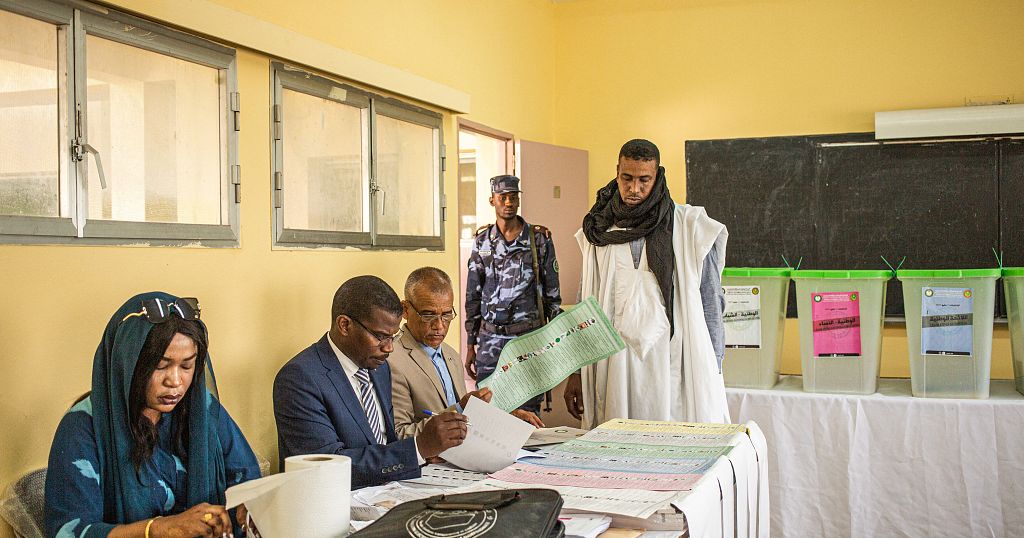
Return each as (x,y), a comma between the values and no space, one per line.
(538,361)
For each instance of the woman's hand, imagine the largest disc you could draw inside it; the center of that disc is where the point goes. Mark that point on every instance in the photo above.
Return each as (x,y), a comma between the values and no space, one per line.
(201,520)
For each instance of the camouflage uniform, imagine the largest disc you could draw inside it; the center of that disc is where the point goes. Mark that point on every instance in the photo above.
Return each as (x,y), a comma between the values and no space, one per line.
(501,294)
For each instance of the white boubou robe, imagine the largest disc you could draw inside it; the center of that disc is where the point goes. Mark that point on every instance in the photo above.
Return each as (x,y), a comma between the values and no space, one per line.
(655,378)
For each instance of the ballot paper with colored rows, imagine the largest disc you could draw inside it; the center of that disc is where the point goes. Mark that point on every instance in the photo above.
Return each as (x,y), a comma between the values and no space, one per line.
(628,454)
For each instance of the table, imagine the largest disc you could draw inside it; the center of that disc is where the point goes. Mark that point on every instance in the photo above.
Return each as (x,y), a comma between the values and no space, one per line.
(730,500)
(889,464)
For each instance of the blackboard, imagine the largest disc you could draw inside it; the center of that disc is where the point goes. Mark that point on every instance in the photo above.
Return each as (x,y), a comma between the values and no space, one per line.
(1011,199)
(843,201)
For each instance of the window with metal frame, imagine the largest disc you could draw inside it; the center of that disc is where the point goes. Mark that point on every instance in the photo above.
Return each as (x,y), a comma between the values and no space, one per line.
(352,168)
(117,130)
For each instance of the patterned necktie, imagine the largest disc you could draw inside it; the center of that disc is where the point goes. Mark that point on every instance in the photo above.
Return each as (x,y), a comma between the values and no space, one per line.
(370,405)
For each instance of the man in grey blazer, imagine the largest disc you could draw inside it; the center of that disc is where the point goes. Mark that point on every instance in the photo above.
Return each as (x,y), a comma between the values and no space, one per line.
(426,373)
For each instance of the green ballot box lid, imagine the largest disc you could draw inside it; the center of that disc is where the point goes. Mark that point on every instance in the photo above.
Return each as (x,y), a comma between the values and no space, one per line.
(782,272)
(1013,271)
(872,274)
(948,273)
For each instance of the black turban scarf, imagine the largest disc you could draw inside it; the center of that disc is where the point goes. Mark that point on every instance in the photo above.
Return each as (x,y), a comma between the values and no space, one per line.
(651,219)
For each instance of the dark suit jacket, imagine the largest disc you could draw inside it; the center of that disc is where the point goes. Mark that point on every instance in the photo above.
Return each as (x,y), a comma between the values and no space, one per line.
(317,412)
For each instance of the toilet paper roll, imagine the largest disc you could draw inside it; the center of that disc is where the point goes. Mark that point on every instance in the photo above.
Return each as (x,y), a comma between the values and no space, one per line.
(311,498)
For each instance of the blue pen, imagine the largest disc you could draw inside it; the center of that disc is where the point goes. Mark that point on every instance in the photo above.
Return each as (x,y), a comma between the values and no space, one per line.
(430,413)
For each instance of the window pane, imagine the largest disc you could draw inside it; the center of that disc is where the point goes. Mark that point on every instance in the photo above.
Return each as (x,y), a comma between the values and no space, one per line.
(407,171)
(30,136)
(326,169)
(157,123)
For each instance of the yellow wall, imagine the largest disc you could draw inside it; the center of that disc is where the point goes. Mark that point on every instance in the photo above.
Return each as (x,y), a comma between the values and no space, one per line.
(587,74)
(499,52)
(672,71)
(262,306)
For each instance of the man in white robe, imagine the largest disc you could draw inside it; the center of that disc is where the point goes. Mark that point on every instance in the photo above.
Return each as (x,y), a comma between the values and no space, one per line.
(641,252)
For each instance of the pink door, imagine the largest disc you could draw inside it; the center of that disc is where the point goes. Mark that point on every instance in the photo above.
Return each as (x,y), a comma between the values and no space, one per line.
(555,194)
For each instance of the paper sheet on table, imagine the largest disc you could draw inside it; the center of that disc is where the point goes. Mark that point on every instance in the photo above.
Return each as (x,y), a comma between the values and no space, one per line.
(585,526)
(641,450)
(394,494)
(623,533)
(528,454)
(625,502)
(493,439)
(671,427)
(552,436)
(657,438)
(447,475)
(359,525)
(585,478)
(366,513)
(538,361)
(621,464)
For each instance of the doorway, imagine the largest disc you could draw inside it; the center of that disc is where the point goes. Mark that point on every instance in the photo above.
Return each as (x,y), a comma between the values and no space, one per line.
(483,153)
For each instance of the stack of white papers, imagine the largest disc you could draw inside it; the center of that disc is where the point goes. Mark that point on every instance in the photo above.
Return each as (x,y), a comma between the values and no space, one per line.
(446,475)
(585,526)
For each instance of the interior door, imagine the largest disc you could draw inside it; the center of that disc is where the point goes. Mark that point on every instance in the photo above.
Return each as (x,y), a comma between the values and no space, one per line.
(555,194)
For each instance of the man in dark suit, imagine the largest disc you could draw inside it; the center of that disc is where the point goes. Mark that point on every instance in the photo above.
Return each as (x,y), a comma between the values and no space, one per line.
(334,397)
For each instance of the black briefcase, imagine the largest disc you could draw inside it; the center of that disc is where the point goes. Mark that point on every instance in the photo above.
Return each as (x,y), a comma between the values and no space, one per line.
(523,513)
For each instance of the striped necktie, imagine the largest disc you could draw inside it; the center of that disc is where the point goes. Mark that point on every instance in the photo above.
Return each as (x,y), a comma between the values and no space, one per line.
(373,414)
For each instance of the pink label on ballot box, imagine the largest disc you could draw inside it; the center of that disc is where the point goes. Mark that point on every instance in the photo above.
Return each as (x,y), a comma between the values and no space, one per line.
(835,318)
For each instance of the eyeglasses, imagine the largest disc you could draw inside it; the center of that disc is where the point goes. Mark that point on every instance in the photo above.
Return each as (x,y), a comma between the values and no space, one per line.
(446,317)
(381,340)
(158,310)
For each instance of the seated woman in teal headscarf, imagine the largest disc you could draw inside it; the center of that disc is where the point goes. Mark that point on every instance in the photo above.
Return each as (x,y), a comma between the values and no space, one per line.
(150,451)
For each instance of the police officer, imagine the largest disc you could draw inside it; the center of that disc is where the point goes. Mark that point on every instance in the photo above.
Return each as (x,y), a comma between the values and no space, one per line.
(511,264)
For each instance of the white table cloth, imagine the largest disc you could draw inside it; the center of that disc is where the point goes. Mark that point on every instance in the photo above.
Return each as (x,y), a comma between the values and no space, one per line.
(735,490)
(730,501)
(890,464)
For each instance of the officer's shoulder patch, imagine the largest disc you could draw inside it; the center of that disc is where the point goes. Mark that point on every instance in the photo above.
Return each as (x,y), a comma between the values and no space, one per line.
(481,229)
(537,228)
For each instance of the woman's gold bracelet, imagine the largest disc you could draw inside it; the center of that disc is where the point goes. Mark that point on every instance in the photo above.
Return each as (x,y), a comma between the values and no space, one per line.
(150,524)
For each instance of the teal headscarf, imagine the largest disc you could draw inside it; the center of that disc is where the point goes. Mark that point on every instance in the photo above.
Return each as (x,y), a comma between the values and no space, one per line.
(124,495)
